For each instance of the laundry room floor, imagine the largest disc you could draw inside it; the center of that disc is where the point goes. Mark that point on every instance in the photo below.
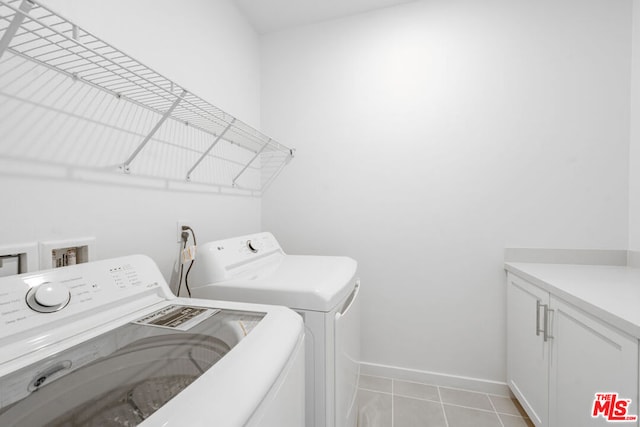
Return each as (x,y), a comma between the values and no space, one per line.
(386,402)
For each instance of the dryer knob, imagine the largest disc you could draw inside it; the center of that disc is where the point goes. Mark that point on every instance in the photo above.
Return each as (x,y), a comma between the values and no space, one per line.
(253,247)
(48,297)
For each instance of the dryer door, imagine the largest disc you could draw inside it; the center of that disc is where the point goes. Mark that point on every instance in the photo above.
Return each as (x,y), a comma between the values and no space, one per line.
(347,352)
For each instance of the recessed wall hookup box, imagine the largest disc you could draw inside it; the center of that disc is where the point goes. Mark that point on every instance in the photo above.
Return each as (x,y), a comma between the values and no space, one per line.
(60,253)
(19,258)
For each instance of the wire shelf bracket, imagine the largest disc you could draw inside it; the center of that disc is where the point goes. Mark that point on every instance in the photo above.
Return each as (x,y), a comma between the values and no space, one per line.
(248,164)
(278,170)
(15,24)
(165,116)
(208,150)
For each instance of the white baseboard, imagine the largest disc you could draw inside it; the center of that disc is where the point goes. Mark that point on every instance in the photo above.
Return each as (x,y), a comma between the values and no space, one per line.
(435,378)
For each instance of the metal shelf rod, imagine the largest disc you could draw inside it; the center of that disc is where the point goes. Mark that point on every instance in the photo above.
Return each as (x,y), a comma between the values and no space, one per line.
(67,38)
(38,34)
(76,77)
(279,147)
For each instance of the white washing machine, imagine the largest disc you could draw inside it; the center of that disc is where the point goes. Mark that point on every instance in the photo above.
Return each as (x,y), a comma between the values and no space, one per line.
(323,289)
(106,343)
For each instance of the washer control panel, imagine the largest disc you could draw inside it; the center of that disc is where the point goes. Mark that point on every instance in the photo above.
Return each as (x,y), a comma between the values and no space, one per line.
(37,300)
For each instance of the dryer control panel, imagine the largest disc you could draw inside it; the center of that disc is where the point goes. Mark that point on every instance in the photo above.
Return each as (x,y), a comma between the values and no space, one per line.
(234,258)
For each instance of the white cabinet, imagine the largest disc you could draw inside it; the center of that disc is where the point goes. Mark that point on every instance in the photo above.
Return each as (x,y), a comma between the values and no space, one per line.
(559,357)
(588,357)
(527,352)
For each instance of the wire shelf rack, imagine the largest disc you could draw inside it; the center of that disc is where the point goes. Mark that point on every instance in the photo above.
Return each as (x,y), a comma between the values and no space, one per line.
(33,37)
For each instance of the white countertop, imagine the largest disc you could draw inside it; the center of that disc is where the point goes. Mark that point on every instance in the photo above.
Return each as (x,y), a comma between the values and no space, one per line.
(611,293)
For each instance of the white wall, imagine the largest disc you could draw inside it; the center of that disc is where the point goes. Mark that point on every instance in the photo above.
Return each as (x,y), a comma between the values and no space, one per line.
(430,136)
(208,47)
(634,155)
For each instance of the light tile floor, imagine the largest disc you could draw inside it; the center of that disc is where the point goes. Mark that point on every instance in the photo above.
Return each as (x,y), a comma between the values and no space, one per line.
(386,402)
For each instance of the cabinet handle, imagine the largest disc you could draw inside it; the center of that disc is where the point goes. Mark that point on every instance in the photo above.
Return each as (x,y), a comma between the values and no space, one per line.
(538,305)
(547,323)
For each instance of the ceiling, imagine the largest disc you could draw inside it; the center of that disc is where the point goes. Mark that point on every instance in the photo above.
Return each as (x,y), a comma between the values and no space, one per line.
(273,15)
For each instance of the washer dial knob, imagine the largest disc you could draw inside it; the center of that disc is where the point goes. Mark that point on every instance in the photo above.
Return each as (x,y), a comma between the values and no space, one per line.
(48,297)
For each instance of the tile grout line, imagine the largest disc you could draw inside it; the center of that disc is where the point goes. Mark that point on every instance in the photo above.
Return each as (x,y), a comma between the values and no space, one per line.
(438,388)
(375,391)
(424,399)
(473,408)
(406,396)
(435,385)
(444,414)
(489,411)
(495,411)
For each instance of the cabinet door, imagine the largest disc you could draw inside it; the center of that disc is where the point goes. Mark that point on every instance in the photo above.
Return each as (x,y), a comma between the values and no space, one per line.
(588,357)
(527,352)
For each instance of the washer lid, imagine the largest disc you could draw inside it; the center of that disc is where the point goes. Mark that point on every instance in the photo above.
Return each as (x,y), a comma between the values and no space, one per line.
(304,282)
(124,374)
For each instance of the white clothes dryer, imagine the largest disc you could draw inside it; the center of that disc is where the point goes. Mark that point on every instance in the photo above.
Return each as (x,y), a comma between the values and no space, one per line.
(107,343)
(322,289)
